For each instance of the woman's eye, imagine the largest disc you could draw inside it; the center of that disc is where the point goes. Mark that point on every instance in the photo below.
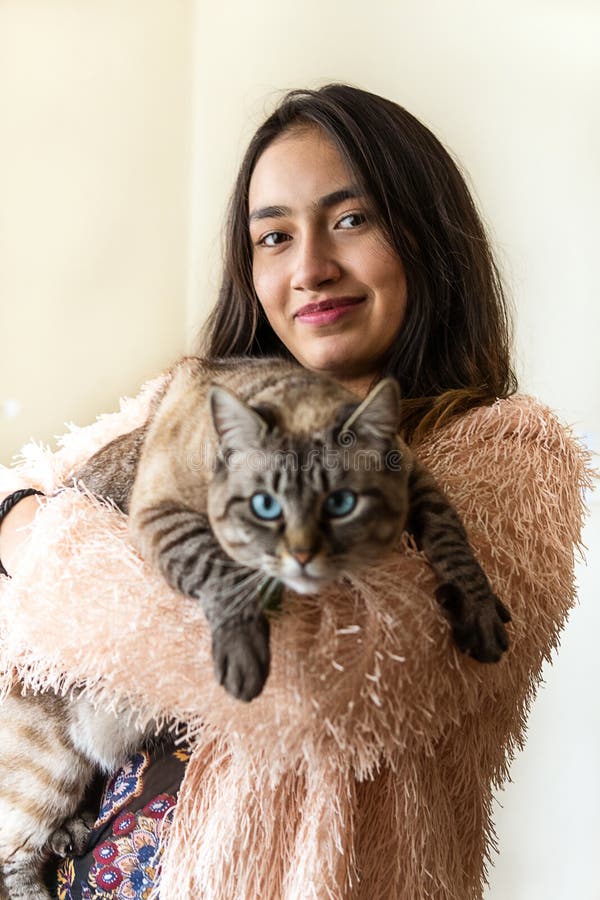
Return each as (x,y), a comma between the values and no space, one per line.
(340,503)
(265,506)
(273,239)
(352,220)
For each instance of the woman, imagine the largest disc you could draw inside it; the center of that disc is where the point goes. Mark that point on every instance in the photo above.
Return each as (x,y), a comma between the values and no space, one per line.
(354,246)
(449,327)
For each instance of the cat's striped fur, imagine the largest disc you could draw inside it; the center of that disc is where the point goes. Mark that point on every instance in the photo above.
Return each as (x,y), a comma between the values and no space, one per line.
(50,749)
(190,478)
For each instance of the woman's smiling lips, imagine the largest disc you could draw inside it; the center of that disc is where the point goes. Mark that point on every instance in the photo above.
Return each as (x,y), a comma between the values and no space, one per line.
(327,311)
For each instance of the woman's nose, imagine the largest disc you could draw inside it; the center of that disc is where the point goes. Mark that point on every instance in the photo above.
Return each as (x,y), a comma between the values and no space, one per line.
(315,264)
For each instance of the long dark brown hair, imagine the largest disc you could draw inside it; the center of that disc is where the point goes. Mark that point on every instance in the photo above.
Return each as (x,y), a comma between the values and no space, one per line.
(453,349)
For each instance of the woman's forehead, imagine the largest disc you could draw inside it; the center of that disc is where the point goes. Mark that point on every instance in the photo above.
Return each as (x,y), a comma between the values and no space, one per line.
(302,167)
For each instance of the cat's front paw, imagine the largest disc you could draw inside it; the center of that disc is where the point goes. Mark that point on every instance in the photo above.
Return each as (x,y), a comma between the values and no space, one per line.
(477,624)
(71,838)
(241,656)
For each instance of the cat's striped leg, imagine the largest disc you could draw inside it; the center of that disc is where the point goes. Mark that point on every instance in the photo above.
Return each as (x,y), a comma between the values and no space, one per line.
(22,878)
(476,614)
(43,779)
(191,559)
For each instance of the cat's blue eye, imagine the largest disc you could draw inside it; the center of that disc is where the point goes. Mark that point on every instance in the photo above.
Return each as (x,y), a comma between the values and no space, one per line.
(340,503)
(265,506)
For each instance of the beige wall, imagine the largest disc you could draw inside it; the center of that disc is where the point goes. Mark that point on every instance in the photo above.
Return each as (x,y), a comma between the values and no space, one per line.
(95,150)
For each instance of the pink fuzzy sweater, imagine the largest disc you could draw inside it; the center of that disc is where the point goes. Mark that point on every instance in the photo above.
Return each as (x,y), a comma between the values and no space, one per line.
(366,768)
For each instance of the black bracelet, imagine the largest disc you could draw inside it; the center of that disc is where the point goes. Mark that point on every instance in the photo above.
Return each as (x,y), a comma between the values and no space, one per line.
(8,503)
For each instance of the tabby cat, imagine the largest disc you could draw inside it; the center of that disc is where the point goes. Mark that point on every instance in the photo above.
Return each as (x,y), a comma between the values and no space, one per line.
(247,475)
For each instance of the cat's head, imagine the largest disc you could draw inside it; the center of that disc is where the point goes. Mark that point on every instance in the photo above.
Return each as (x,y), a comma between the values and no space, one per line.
(305,507)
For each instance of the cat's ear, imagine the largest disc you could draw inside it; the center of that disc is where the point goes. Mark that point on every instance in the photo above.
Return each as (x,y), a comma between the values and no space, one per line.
(237,425)
(378,416)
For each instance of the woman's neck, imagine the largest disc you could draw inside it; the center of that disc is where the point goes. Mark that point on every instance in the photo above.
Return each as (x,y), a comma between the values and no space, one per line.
(358,385)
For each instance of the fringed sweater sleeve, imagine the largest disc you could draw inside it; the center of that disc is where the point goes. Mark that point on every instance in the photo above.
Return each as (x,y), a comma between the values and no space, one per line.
(365,768)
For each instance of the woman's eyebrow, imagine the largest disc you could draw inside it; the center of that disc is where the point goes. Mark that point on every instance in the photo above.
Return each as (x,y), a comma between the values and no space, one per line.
(270,212)
(352,192)
(328,200)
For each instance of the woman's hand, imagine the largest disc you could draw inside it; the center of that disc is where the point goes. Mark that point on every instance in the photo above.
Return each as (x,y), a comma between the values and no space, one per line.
(12,533)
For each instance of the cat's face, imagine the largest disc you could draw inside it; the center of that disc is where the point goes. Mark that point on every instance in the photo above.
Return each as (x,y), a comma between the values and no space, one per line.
(306,508)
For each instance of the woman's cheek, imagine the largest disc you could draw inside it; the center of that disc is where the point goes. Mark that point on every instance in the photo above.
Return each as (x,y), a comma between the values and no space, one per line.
(269,290)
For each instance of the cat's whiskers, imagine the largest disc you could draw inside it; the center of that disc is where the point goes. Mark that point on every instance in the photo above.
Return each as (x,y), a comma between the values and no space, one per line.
(246,598)
(252,579)
(228,563)
(243,592)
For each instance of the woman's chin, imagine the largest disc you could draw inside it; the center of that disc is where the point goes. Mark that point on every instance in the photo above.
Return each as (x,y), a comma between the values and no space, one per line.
(325,352)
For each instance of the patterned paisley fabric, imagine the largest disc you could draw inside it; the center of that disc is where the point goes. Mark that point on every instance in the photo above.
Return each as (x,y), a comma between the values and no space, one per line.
(123,856)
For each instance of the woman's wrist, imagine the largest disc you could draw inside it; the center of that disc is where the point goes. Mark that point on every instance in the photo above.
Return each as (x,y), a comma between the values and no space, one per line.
(12,529)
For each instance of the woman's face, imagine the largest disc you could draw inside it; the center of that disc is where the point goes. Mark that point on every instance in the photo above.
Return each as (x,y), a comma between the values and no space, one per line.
(331,287)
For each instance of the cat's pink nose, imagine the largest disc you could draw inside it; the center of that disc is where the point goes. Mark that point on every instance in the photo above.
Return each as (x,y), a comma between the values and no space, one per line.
(303,556)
